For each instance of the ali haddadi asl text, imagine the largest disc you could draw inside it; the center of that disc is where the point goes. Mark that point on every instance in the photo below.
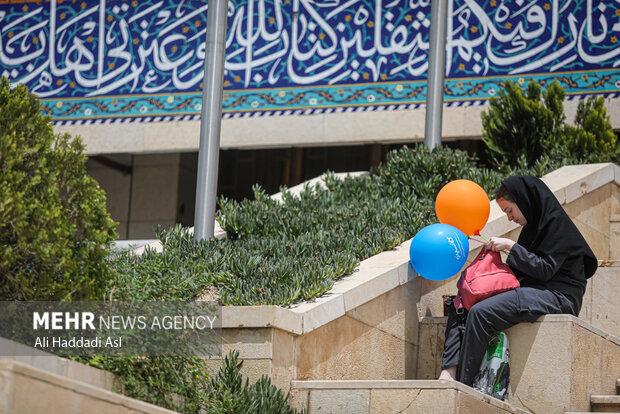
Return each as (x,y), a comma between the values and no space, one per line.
(97,342)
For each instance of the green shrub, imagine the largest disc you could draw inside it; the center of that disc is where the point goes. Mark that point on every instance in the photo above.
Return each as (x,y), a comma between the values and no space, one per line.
(229,394)
(178,383)
(423,172)
(523,131)
(54,227)
(282,253)
(523,126)
(182,384)
(592,139)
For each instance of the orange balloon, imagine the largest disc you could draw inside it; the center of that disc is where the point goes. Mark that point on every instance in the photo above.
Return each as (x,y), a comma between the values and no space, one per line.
(464,205)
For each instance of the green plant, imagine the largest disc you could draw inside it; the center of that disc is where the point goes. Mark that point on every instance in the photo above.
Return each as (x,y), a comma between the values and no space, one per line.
(529,131)
(423,173)
(175,382)
(592,138)
(523,126)
(54,227)
(282,253)
(183,384)
(229,394)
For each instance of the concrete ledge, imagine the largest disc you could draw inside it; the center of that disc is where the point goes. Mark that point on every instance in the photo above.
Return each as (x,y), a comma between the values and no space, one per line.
(356,384)
(394,396)
(337,128)
(571,182)
(561,318)
(567,184)
(368,284)
(323,310)
(261,317)
(25,389)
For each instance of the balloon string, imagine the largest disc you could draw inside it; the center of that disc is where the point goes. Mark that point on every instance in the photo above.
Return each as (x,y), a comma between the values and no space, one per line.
(483,238)
(479,241)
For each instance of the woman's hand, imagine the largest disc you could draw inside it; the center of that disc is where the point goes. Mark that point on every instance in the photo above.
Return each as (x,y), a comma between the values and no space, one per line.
(497,244)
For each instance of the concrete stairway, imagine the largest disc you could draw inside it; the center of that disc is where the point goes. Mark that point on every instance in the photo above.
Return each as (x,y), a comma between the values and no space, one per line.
(370,340)
(72,370)
(566,357)
(604,403)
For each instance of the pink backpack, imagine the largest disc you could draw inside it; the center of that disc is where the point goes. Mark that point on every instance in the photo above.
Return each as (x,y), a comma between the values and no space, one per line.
(484,277)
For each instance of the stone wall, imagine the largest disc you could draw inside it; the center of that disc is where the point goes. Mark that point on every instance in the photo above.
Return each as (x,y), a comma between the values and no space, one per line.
(601,307)
(25,389)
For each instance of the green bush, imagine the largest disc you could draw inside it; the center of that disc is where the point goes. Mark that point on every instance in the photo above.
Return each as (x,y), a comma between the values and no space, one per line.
(229,394)
(592,139)
(178,383)
(523,126)
(182,384)
(54,227)
(523,131)
(282,253)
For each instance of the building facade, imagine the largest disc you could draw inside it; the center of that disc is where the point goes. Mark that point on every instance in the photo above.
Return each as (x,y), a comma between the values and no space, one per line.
(305,81)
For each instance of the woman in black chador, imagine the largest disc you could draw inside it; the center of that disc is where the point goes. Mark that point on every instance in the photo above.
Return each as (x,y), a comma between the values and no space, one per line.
(552,261)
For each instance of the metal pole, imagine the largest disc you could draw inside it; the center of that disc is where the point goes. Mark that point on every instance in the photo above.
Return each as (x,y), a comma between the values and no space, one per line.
(436,69)
(211,119)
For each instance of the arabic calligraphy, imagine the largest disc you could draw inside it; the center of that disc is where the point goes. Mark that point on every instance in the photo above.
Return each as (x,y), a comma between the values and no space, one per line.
(141,50)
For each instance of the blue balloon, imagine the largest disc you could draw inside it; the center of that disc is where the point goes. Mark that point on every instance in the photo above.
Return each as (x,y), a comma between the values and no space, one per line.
(439,251)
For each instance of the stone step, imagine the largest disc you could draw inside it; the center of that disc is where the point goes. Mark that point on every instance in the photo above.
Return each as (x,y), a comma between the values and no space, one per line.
(26,389)
(389,396)
(605,403)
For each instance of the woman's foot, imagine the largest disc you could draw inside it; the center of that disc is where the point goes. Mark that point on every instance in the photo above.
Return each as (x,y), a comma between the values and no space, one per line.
(448,374)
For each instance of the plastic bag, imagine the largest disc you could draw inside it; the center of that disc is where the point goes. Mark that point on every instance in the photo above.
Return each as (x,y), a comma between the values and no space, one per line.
(493,378)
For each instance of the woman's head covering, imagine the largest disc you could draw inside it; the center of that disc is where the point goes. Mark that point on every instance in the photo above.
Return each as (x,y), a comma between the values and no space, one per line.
(549,230)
